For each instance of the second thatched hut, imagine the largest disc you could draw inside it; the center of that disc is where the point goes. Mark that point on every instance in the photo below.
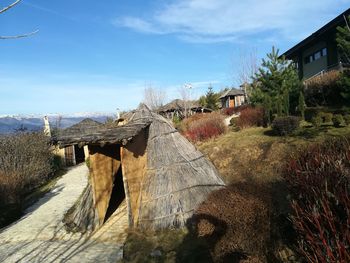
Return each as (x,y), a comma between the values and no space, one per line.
(161,175)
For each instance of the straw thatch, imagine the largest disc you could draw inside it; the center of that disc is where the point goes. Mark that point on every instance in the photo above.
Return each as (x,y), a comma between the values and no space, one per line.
(165,176)
(233,92)
(104,135)
(86,126)
(181,108)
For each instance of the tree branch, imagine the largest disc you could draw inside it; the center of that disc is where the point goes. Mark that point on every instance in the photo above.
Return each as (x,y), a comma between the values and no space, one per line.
(346,22)
(19,36)
(10,6)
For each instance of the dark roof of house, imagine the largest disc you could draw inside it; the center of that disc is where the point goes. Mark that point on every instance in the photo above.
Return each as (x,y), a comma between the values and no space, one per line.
(339,20)
(85,126)
(178,105)
(232,92)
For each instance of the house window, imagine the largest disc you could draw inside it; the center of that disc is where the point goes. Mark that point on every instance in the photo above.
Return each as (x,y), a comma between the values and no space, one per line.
(311,58)
(317,55)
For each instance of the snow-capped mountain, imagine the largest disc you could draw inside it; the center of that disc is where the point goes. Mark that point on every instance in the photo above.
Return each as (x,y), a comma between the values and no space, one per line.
(10,123)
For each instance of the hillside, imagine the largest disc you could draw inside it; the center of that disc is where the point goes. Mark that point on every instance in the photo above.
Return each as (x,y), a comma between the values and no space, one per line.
(9,123)
(254,208)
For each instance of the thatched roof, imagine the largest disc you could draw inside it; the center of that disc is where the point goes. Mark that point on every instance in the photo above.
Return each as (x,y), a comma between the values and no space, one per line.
(84,127)
(104,134)
(176,177)
(233,92)
(178,105)
(179,177)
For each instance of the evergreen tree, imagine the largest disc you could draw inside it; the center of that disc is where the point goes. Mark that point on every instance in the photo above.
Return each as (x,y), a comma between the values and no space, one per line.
(267,104)
(211,99)
(202,101)
(302,105)
(277,78)
(343,44)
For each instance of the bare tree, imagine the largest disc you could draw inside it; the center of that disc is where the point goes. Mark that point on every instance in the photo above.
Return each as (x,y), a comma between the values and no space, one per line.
(248,66)
(153,97)
(3,10)
(185,94)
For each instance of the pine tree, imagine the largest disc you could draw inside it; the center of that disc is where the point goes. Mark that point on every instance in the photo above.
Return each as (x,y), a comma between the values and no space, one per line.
(302,105)
(277,78)
(211,99)
(343,44)
(343,41)
(202,101)
(267,104)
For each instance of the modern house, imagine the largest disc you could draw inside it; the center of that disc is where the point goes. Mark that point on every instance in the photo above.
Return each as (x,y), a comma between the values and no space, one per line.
(318,53)
(232,98)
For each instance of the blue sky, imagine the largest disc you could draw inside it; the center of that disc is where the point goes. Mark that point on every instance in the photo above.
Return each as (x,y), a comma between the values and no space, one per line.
(100,55)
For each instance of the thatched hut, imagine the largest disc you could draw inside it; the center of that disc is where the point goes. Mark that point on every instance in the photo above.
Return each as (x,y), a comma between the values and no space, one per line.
(181,109)
(162,175)
(72,154)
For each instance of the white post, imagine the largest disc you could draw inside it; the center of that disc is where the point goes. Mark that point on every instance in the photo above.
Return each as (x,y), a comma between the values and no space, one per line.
(47,130)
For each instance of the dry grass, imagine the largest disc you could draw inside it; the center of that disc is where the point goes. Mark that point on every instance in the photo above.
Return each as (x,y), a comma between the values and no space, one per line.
(230,231)
(247,222)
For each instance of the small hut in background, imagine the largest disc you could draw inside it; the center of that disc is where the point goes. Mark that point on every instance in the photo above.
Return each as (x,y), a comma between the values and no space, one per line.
(181,109)
(161,175)
(232,98)
(73,154)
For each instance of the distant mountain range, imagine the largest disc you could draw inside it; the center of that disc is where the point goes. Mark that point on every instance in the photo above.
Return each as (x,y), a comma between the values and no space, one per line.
(11,123)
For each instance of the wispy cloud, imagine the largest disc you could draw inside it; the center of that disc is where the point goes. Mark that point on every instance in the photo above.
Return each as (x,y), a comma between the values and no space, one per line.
(231,20)
(48,10)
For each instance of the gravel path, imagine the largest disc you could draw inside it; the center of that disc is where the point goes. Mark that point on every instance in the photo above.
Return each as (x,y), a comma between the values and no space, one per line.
(39,236)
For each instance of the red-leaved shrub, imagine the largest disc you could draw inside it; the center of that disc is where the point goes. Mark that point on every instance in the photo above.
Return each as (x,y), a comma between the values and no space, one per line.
(201,127)
(250,117)
(230,111)
(319,180)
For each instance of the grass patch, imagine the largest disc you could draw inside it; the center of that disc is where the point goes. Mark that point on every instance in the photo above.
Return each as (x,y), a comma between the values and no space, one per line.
(256,156)
(157,246)
(225,227)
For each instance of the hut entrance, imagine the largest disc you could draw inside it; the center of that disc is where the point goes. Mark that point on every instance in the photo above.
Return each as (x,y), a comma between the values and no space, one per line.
(79,154)
(118,194)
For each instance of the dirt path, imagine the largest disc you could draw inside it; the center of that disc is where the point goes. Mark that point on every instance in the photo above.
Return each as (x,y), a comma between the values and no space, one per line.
(39,236)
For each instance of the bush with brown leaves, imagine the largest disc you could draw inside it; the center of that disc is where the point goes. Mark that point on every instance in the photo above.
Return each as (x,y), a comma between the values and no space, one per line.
(201,127)
(235,223)
(25,162)
(250,117)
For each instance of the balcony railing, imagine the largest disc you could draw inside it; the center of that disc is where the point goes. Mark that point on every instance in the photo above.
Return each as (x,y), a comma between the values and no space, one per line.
(335,67)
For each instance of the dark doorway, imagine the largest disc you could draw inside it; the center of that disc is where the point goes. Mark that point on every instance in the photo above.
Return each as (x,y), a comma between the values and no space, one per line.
(79,154)
(118,194)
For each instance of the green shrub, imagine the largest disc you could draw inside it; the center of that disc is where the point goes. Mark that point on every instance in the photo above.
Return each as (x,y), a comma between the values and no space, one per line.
(338,120)
(347,119)
(316,121)
(56,163)
(326,117)
(285,125)
(233,121)
(87,162)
